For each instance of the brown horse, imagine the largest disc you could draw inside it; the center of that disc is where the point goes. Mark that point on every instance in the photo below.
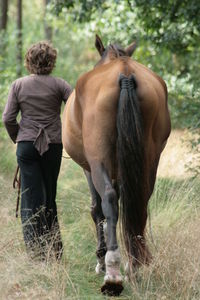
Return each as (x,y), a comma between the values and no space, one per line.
(115,126)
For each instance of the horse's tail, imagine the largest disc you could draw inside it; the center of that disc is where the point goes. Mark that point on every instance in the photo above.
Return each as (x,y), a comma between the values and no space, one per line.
(131,164)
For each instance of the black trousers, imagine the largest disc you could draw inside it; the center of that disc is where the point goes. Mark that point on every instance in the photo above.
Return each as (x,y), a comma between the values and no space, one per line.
(38,197)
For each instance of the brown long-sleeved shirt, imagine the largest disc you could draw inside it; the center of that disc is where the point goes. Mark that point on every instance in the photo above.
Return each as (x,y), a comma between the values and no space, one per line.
(39,99)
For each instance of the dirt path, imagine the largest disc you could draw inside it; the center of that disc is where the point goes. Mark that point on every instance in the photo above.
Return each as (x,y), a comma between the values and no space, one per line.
(175,156)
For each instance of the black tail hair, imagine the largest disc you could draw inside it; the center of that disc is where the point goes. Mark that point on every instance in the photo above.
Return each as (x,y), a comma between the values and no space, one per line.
(131,163)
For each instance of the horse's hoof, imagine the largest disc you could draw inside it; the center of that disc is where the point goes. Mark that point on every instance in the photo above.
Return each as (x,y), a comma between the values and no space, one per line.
(112,285)
(112,288)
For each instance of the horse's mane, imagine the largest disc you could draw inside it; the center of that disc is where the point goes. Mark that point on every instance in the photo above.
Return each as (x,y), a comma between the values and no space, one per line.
(116,50)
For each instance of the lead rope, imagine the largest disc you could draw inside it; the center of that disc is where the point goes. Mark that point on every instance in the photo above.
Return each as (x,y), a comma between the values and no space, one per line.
(66,157)
(17,184)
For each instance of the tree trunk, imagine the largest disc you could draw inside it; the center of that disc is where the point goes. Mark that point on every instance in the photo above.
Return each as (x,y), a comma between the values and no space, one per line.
(4,14)
(19,38)
(47,28)
(3,25)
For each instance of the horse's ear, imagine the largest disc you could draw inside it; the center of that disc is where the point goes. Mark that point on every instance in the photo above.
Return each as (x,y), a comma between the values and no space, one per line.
(131,48)
(99,45)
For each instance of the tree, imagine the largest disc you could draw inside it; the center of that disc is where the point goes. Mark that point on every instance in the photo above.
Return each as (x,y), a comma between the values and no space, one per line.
(4,14)
(3,26)
(82,9)
(172,27)
(19,38)
(172,24)
(47,28)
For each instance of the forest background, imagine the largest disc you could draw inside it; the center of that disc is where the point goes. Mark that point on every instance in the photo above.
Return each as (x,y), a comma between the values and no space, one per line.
(167,33)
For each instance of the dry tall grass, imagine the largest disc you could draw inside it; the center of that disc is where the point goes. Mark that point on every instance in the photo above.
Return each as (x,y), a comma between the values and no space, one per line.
(175,221)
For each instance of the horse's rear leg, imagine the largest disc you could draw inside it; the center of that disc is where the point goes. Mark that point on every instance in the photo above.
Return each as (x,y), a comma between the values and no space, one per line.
(103,184)
(98,217)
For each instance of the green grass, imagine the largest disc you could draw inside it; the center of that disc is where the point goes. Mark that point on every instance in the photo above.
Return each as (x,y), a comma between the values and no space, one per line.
(175,222)
(7,157)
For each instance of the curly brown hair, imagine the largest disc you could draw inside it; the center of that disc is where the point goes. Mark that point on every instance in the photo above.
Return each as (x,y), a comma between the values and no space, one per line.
(40,58)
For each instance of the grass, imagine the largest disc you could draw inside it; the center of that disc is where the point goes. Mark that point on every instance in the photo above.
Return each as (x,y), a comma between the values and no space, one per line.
(173,273)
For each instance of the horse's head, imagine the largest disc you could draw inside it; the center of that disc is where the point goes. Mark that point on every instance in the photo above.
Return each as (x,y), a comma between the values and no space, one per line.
(113,51)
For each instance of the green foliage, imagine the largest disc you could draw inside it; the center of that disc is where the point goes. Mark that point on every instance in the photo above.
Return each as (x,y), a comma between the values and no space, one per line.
(5,78)
(194,142)
(184,101)
(172,24)
(81,10)
(168,31)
